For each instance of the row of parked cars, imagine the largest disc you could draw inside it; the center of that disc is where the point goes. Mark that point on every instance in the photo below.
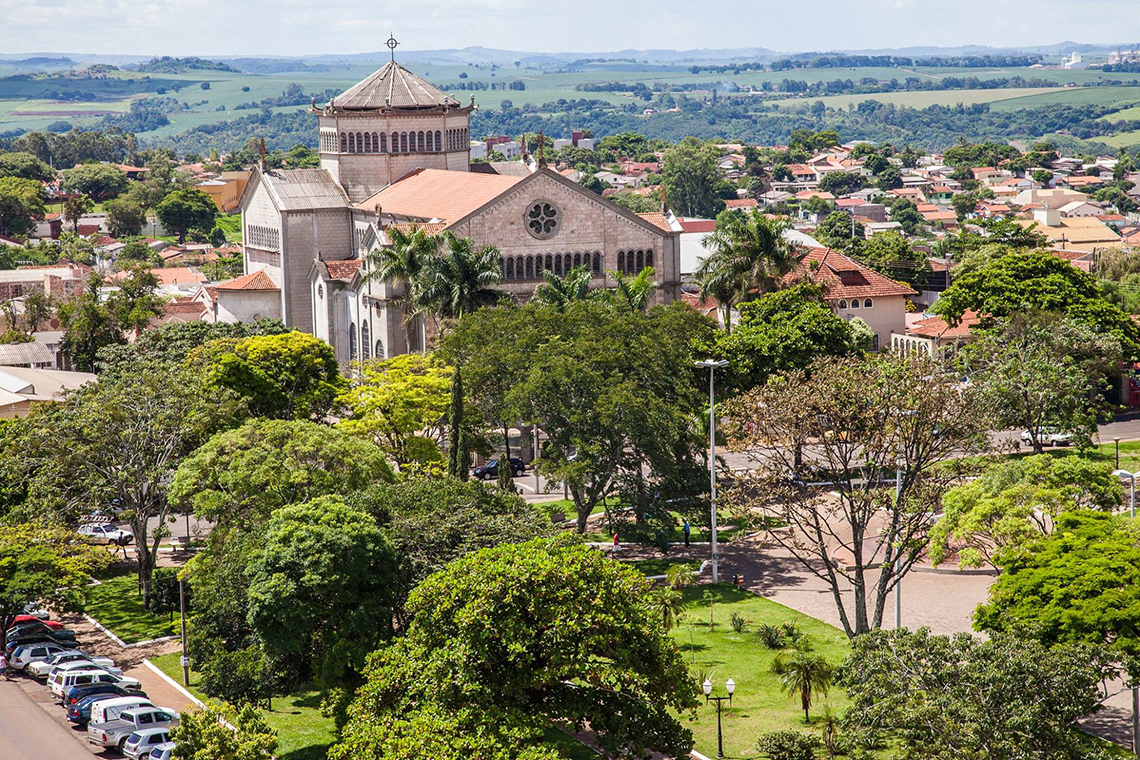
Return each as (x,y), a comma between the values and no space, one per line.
(94,692)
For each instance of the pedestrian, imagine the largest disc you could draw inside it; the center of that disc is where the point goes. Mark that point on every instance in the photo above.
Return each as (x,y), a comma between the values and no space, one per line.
(4,667)
(617,545)
(687,529)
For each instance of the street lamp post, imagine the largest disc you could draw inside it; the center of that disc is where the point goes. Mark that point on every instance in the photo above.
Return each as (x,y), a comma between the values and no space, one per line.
(712,366)
(898,580)
(1131,489)
(729,686)
(1116,440)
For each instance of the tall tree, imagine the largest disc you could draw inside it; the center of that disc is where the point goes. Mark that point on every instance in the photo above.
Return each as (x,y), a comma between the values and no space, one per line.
(99,181)
(510,639)
(88,325)
(125,217)
(74,207)
(21,205)
(559,290)
(399,265)
(185,211)
(692,181)
(750,255)
(201,735)
(866,420)
(459,455)
(458,279)
(635,293)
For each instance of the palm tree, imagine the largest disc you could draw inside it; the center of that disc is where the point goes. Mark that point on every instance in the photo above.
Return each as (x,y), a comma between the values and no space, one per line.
(459,279)
(670,605)
(805,673)
(558,291)
(750,254)
(635,293)
(401,262)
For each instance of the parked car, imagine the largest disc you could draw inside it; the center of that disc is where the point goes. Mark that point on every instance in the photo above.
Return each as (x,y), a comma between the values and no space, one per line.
(62,681)
(34,609)
(36,638)
(80,713)
(163,751)
(76,692)
(26,655)
(1048,437)
(44,668)
(114,733)
(108,710)
(29,618)
(490,471)
(106,533)
(140,743)
(39,626)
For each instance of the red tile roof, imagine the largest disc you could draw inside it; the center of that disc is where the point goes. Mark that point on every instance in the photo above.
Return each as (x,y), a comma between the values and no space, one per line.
(741,203)
(439,194)
(342,270)
(258,280)
(937,327)
(697,225)
(844,277)
(657,219)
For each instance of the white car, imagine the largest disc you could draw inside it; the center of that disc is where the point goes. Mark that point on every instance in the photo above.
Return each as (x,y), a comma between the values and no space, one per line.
(44,668)
(1048,437)
(142,742)
(106,533)
(162,751)
(61,682)
(25,656)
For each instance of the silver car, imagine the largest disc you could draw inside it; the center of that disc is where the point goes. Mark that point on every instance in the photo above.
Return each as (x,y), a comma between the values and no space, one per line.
(142,742)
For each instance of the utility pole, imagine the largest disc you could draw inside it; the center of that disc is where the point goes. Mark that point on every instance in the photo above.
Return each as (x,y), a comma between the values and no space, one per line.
(182,609)
(712,367)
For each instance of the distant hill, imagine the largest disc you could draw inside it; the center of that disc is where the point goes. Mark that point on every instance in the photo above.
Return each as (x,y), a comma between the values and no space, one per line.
(168,65)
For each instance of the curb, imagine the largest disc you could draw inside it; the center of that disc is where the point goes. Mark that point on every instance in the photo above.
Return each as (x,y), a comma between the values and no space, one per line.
(697,756)
(99,626)
(184,692)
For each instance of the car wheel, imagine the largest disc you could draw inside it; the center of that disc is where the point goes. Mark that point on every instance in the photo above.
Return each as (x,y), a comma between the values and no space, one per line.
(519,473)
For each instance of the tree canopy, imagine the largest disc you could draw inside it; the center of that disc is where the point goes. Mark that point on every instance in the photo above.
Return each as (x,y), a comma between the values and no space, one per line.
(98,181)
(185,211)
(506,641)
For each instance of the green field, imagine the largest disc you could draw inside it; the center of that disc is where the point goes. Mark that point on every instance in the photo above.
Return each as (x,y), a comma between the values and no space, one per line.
(925,98)
(117,604)
(759,704)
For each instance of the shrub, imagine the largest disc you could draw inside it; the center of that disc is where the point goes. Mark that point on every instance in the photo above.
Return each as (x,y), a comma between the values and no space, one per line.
(787,745)
(790,632)
(771,636)
(738,622)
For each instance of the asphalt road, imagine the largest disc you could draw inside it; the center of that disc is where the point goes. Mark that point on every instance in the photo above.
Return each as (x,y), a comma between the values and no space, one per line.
(27,731)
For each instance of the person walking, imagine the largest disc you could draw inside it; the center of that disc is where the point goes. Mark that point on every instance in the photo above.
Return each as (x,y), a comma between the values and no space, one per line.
(4,667)
(687,529)
(617,545)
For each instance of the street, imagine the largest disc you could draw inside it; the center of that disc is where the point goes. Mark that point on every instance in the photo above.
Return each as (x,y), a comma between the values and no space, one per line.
(28,732)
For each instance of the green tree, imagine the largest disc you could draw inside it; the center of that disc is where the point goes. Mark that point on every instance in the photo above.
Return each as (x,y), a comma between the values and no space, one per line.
(401,405)
(1118,198)
(788,745)
(458,279)
(125,217)
(1042,373)
(1043,177)
(287,376)
(88,325)
(906,214)
(890,254)
(785,330)
(558,290)
(74,207)
(1036,281)
(201,735)
(400,263)
(750,254)
(38,308)
(242,476)
(458,450)
(321,588)
(841,183)
(25,166)
(99,181)
(135,253)
(47,565)
(805,673)
(635,293)
(889,179)
(840,230)
(136,302)
(185,211)
(119,441)
(21,205)
(172,343)
(947,698)
(508,640)
(691,178)
(1016,502)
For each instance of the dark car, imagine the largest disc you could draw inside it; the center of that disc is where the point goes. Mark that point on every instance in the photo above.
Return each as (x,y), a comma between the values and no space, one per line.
(77,693)
(80,712)
(35,638)
(490,471)
(38,626)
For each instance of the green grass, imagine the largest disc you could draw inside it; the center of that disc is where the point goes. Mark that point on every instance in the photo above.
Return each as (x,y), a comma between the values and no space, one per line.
(922,98)
(1104,453)
(117,604)
(303,733)
(759,704)
(231,225)
(661,566)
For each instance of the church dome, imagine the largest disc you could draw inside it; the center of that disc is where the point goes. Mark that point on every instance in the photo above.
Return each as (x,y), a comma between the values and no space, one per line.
(392,87)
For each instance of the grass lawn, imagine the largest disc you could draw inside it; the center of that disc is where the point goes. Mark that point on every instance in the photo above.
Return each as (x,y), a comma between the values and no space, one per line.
(1104,453)
(759,704)
(302,732)
(117,604)
(231,225)
(660,566)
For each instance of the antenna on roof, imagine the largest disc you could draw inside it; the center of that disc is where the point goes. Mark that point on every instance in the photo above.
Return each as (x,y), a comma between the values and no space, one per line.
(391,45)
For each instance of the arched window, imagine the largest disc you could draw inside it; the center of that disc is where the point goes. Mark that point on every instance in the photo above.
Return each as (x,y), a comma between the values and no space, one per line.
(649,258)
(383,142)
(395,142)
(351,142)
(549,263)
(510,269)
(597,263)
(867,304)
(367,149)
(422,142)
(558,265)
(530,267)
(365,342)
(577,260)
(403,142)
(843,304)
(380,350)
(568,262)
(375,142)
(854,303)
(352,342)
(343,143)
(438,144)
(640,261)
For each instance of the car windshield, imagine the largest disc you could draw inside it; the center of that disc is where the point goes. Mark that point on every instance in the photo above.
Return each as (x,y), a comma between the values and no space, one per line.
(134,738)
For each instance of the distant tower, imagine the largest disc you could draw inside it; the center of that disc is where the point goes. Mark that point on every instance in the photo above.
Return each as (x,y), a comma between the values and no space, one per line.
(388,125)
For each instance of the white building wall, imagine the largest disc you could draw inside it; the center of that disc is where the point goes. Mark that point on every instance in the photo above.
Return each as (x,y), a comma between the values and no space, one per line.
(247,305)
(886,316)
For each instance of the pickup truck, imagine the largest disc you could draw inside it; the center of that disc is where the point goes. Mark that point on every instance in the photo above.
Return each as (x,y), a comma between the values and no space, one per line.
(106,533)
(114,734)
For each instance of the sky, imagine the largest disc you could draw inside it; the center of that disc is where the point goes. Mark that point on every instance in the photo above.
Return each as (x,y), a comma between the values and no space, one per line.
(309,27)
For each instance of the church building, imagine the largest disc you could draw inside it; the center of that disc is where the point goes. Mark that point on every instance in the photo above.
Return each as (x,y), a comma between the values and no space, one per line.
(395,151)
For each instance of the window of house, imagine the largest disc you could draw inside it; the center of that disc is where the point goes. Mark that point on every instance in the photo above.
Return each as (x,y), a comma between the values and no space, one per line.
(511,270)
(343,143)
(597,263)
(649,258)
(352,342)
(365,342)
(854,303)
(843,304)
(867,303)
(530,267)
(543,219)
(380,350)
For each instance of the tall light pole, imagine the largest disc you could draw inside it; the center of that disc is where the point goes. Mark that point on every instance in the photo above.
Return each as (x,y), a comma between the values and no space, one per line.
(898,580)
(1116,440)
(1131,489)
(712,366)
(729,686)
